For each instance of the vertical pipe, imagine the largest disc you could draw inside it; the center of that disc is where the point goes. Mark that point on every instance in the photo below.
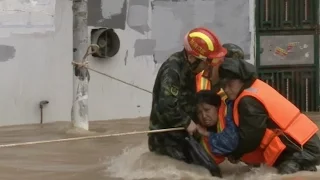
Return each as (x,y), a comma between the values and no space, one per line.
(41,105)
(286,17)
(41,115)
(267,10)
(79,115)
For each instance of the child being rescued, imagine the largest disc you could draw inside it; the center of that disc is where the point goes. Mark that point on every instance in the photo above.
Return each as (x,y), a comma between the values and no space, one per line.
(215,123)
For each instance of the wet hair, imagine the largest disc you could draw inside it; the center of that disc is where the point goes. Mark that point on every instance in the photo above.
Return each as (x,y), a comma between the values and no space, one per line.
(227,74)
(208,97)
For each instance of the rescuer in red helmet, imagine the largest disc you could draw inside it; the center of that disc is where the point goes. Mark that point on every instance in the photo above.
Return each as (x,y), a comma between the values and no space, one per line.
(173,103)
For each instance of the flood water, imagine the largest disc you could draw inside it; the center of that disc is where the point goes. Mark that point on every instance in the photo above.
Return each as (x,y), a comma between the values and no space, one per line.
(111,158)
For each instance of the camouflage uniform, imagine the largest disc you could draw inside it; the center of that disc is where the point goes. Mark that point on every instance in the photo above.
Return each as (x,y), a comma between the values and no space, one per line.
(173,105)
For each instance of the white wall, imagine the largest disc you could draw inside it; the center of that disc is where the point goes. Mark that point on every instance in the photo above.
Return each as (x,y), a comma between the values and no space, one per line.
(41,67)
(40,70)
(167,21)
(110,99)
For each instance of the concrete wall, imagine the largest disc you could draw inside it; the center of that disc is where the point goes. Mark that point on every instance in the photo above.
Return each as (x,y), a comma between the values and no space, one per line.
(35,62)
(149,32)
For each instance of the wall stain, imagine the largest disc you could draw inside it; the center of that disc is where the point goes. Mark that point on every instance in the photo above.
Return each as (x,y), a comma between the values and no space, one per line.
(144,47)
(171,19)
(137,18)
(126,57)
(114,21)
(154,59)
(7,53)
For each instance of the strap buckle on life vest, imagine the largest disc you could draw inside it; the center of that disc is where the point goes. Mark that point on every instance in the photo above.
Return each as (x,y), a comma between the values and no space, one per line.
(279,132)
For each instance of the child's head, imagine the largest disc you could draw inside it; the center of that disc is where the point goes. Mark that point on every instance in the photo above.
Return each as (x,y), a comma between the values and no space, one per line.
(208,103)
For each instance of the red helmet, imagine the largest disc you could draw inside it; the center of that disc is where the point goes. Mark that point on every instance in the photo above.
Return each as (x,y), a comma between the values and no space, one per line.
(203,44)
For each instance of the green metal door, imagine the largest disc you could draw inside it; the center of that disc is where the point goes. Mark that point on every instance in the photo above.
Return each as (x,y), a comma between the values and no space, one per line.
(287,49)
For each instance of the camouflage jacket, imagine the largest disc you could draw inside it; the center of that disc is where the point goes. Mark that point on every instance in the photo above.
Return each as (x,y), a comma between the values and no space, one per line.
(173,101)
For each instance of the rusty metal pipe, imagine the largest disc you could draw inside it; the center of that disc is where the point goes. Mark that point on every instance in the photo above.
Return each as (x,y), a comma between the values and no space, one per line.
(41,105)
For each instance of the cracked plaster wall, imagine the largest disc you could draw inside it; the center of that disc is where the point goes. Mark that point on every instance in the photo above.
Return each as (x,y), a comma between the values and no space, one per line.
(150,30)
(38,60)
(35,62)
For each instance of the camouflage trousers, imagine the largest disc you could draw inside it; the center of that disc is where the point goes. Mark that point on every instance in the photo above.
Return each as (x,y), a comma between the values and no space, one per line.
(180,146)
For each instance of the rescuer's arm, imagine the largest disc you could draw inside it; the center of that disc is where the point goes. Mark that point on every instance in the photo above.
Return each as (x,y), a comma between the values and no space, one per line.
(252,125)
(226,141)
(169,104)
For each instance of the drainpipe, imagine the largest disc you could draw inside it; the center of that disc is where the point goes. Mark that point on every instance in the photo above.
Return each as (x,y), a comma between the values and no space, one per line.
(41,105)
(79,115)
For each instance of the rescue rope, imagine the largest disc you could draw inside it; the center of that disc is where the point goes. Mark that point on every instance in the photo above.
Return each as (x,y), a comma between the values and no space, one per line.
(93,48)
(90,137)
(85,64)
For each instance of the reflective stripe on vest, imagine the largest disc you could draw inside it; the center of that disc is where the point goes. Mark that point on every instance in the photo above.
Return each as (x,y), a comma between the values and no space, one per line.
(202,83)
(220,126)
(223,95)
(282,112)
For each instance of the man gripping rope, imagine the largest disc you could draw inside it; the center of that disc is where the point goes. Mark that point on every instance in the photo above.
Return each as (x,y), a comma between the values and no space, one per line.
(173,103)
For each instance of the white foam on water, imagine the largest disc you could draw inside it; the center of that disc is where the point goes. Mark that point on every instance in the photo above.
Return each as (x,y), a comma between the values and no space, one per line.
(137,162)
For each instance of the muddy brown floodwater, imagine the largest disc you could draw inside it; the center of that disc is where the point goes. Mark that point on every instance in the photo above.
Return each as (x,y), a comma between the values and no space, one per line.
(111,158)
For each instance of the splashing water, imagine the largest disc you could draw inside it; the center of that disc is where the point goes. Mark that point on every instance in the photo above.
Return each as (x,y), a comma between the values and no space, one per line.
(138,163)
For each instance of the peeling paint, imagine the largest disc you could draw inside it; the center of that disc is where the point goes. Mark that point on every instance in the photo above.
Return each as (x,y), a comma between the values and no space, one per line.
(7,53)
(144,47)
(138,15)
(33,35)
(172,19)
(108,10)
(167,24)
(234,26)
(102,14)
(170,0)
(154,59)
(22,16)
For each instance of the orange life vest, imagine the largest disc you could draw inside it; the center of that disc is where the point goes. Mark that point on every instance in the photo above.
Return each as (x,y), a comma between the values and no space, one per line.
(202,83)
(220,126)
(281,111)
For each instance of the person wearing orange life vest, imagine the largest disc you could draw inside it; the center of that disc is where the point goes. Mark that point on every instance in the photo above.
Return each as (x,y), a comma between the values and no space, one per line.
(223,137)
(214,116)
(272,130)
(174,98)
